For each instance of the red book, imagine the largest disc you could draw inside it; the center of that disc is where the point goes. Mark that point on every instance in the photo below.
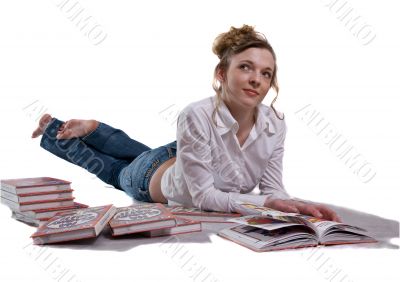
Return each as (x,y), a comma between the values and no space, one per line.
(183,225)
(141,217)
(200,215)
(48,213)
(74,225)
(35,184)
(38,217)
(29,206)
(37,197)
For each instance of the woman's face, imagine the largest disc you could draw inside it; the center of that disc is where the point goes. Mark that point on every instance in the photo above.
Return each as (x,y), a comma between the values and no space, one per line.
(248,78)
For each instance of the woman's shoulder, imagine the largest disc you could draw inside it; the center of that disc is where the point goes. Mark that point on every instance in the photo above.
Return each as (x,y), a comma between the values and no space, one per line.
(204,104)
(197,115)
(201,109)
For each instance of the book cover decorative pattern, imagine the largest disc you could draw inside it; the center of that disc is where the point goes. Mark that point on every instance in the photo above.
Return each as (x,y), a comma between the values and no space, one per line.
(73,220)
(139,213)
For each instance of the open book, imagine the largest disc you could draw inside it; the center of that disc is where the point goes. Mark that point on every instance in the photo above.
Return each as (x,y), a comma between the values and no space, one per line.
(265,229)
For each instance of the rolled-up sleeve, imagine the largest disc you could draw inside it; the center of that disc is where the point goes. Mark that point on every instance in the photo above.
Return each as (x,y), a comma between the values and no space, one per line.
(271,184)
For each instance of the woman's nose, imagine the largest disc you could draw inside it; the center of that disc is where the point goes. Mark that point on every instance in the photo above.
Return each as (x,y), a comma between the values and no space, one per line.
(255,79)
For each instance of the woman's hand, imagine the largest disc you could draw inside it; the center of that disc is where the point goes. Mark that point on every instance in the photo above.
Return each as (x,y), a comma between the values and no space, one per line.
(315,210)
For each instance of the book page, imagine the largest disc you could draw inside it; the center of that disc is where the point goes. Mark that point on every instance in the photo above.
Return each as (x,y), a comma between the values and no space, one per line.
(261,221)
(321,227)
(325,227)
(262,239)
(251,209)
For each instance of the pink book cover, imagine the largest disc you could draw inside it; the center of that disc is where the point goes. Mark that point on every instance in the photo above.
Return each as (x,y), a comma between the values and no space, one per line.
(50,212)
(45,201)
(181,221)
(140,213)
(33,182)
(75,206)
(38,196)
(183,225)
(73,220)
(44,193)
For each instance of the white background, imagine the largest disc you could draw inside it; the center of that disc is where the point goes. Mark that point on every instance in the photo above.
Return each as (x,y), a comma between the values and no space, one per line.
(157,56)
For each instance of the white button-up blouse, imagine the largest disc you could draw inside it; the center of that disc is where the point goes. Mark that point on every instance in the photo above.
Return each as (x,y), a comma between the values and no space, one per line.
(212,170)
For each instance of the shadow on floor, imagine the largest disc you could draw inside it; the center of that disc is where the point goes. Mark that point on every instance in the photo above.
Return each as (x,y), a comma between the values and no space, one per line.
(380,228)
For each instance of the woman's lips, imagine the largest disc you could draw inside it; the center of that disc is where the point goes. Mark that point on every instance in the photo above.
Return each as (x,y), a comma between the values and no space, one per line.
(250,92)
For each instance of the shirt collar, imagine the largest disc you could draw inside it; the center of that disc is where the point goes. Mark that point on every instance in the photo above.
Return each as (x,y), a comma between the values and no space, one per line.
(226,122)
(264,120)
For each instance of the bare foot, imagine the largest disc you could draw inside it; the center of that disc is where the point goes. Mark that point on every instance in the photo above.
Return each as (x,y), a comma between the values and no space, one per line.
(43,122)
(76,128)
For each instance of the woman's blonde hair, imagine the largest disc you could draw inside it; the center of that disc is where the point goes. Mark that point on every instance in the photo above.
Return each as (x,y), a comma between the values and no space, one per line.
(233,42)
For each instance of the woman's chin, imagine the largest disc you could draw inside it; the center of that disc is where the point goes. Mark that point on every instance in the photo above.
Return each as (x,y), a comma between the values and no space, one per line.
(250,103)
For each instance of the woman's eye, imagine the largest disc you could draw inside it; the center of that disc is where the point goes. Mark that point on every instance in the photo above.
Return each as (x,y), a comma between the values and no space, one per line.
(244,67)
(267,74)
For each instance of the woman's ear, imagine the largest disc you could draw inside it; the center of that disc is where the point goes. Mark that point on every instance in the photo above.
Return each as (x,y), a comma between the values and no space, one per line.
(220,75)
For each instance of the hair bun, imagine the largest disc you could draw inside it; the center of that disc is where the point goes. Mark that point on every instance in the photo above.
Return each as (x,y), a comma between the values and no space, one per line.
(234,37)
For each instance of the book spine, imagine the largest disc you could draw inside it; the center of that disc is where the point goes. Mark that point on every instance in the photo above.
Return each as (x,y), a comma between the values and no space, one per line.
(12,205)
(9,196)
(8,188)
(25,190)
(110,213)
(44,197)
(31,207)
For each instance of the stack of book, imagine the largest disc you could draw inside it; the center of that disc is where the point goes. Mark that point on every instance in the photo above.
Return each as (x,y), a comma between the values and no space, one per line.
(35,200)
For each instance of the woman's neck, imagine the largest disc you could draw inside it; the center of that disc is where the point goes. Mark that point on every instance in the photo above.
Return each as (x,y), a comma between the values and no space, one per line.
(244,117)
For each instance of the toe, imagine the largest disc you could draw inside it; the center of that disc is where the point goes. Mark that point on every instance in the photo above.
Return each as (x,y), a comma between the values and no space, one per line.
(36,132)
(43,122)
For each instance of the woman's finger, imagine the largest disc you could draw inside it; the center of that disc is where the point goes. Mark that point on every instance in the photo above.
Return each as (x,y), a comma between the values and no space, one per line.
(61,128)
(329,213)
(287,206)
(64,134)
(310,209)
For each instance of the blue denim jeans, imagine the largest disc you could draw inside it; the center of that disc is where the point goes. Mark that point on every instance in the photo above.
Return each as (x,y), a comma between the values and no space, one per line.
(112,156)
